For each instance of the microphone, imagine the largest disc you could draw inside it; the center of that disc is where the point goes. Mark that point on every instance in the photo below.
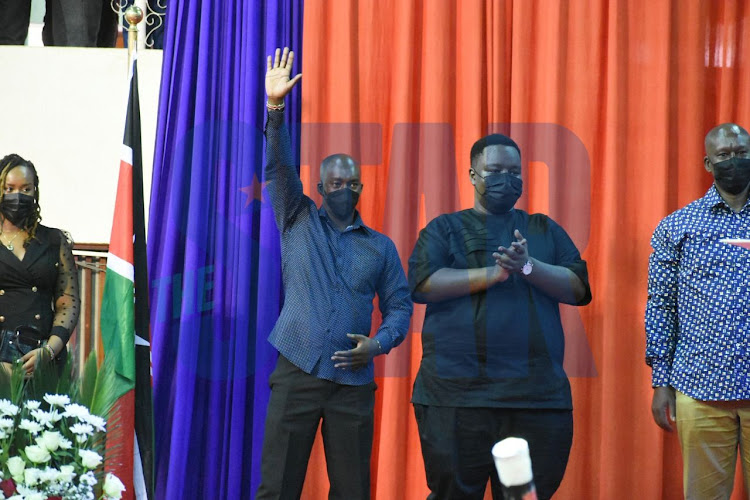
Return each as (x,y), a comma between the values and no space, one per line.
(513,465)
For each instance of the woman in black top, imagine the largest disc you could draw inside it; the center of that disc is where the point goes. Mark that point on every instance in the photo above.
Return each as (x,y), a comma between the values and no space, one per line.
(39,301)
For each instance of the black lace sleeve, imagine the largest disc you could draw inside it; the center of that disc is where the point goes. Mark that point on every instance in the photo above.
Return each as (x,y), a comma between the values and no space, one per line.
(67,297)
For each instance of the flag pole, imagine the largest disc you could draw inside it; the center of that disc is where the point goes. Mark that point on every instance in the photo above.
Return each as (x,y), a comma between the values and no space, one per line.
(133,15)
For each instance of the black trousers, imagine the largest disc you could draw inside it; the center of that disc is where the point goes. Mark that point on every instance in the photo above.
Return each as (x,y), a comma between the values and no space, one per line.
(14,21)
(80,23)
(298,403)
(457,444)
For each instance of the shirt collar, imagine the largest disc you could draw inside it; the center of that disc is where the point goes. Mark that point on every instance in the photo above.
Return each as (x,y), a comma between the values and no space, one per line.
(712,199)
(357,224)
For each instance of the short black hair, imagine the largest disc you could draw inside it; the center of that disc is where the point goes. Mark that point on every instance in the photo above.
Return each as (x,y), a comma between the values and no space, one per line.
(491,140)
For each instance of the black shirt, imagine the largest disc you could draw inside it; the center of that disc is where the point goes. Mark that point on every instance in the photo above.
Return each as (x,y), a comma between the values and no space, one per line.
(503,347)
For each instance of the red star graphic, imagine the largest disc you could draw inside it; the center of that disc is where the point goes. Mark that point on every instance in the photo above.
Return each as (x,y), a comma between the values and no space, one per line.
(254,191)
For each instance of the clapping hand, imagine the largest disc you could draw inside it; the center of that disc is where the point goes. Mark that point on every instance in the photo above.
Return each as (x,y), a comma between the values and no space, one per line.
(514,257)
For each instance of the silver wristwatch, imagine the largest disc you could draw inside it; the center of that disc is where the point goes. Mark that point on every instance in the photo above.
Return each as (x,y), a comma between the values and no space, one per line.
(526,269)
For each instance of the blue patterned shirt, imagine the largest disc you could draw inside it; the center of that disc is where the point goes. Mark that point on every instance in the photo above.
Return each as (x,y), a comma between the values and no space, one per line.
(330,277)
(697,330)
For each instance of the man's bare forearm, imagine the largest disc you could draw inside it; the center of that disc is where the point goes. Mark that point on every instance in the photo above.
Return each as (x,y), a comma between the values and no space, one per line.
(447,283)
(556,281)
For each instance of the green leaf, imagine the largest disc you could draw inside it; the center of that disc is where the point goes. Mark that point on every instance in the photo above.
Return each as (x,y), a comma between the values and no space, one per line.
(43,381)
(12,384)
(105,395)
(65,380)
(88,384)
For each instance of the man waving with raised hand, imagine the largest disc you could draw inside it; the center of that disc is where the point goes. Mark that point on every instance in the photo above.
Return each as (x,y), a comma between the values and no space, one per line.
(332,267)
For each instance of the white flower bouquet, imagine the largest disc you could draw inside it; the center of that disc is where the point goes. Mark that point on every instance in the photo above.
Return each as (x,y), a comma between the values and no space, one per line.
(51,447)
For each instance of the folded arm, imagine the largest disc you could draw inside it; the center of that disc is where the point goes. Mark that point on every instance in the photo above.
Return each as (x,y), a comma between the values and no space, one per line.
(448,283)
(557,281)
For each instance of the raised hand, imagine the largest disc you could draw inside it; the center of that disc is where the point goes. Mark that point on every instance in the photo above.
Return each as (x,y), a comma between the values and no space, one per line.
(278,70)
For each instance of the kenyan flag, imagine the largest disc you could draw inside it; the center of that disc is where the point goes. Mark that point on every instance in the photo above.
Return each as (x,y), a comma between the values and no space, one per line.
(125,316)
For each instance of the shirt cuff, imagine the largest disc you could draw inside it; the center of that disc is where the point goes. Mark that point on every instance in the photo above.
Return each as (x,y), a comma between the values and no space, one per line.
(275,117)
(62,332)
(660,372)
(384,341)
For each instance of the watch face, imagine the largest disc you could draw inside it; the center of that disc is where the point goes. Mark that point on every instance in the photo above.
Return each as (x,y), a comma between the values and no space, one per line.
(527,268)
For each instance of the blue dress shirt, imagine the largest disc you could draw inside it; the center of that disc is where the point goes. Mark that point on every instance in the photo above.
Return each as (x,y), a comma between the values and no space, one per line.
(697,329)
(330,277)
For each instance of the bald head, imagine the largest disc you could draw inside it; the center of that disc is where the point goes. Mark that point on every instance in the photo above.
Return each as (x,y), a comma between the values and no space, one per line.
(339,160)
(339,171)
(728,160)
(723,135)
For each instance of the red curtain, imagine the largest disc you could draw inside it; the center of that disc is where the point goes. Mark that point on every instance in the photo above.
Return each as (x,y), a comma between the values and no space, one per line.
(610,102)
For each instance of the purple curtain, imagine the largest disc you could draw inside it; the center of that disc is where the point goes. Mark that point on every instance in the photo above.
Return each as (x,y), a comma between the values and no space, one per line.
(214,256)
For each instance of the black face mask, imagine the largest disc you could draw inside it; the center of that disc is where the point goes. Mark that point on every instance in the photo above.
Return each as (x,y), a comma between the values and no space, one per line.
(732,175)
(341,202)
(17,207)
(501,192)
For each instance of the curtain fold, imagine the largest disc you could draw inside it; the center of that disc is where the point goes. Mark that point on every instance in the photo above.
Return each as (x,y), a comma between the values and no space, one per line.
(610,102)
(214,253)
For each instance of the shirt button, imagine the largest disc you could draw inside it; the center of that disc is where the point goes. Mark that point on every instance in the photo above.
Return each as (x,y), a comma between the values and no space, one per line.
(2,292)
(34,289)
(37,316)
(2,319)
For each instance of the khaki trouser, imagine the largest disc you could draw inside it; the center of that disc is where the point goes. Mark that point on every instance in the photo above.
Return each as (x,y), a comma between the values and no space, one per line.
(710,433)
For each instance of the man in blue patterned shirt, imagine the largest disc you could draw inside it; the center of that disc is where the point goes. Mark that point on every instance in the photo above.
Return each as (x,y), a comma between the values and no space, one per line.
(332,267)
(697,330)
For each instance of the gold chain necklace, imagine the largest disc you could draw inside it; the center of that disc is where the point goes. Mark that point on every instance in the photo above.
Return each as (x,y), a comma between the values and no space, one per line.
(9,245)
